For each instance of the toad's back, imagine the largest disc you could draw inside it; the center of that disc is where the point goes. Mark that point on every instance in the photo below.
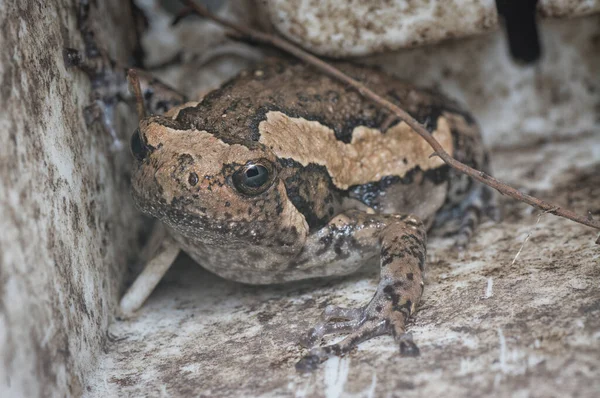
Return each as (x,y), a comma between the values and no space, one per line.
(330,135)
(234,111)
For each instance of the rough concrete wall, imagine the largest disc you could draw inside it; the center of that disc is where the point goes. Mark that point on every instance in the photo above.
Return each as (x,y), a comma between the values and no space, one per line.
(515,104)
(68,231)
(343,28)
(207,56)
(67,225)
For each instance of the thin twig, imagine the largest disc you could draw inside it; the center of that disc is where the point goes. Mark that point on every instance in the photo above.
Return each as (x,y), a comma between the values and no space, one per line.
(275,41)
(134,82)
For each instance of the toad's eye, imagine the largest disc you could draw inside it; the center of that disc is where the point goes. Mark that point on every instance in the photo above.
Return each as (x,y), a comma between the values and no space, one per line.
(138,148)
(254,178)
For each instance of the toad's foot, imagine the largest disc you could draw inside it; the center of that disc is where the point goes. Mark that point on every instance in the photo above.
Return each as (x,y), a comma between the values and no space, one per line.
(385,314)
(399,290)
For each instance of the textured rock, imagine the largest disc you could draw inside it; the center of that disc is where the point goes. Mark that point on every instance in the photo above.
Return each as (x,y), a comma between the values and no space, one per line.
(556,97)
(567,8)
(68,227)
(516,315)
(353,27)
(195,56)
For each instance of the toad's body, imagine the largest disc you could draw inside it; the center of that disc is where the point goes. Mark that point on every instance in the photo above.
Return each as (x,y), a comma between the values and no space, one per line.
(285,174)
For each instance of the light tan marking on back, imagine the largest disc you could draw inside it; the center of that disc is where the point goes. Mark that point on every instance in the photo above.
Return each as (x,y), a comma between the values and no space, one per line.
(369,157)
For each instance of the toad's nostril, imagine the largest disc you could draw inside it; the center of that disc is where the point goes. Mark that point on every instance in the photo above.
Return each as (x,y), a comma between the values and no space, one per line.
(138,148)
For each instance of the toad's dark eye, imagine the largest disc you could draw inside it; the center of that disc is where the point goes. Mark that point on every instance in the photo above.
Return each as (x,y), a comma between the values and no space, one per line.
(254,177)
(138,148)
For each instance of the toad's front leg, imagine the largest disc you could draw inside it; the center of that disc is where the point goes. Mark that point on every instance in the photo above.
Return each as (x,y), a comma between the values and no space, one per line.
(401,241)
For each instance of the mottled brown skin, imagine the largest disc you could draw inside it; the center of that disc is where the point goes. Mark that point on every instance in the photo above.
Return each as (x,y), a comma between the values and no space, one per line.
(305,222)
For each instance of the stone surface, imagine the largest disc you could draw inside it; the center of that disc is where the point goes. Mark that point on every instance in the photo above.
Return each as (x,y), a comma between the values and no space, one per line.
(357,28)
(515,315)
(556,97)
(68,228)
(195,56)
(567,8)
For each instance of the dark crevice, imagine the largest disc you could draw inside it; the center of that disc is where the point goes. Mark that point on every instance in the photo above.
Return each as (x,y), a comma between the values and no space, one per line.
(521,28)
